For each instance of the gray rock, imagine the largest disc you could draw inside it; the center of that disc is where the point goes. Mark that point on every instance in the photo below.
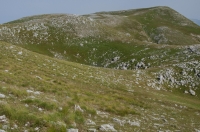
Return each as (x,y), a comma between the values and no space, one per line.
(161,79)
(3,117)
(107,127)
(90,122)
(2,96)
(72,130)
(2,130)
(78,108)
(120,122)
(134,123)
(192,92)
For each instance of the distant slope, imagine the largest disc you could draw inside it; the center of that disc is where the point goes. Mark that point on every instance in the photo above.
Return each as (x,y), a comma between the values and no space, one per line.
(38,92)
(164,25)
(106,39)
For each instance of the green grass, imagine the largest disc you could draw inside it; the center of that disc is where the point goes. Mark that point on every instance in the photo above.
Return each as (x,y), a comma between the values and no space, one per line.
(62,85)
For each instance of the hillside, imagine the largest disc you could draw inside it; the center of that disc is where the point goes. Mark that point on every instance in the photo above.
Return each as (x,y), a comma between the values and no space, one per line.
(133,70)
(106,39)
(39,93)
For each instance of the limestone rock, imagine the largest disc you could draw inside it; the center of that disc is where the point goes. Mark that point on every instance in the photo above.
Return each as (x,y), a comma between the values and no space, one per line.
(192,92)
(107,127)
(120,122)
(90,122)
(72,130)
(78,108)
(134,123)
(3,119)
(2,130)
(2,96)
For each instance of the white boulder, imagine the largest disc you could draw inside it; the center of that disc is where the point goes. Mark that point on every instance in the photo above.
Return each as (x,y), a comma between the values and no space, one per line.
(192,92)
(2,96)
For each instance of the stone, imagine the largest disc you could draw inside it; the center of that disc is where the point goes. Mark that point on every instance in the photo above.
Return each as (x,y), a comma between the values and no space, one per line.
(78,108)
(90,122)
(161,79)
(72,130)
(134,123)
(2,130)
(192,92)
(37,128)
(3,117)
(20,53)
(186,92)
(102,114)
(120,122)
(2,96)
(107,127)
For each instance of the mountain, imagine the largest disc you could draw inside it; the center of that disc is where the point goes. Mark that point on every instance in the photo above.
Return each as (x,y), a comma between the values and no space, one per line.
(132,70)
(196,21)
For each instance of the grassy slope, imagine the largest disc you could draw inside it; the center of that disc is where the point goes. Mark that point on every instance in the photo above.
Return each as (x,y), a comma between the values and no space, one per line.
(65,84)
(62,85)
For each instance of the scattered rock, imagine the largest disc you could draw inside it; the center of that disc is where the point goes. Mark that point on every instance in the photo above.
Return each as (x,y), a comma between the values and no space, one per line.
(37,129)
(2,96)
(34,92)
(3,118)
(72,130)
(38,77)
(192,92)
(134,123)
(5,127)
(115,59)
(102,114)
(20,53)
(196,130)
(27,124)
(60,108)
(40,109)
(161,79)
(78,108)
(90,122)
(186,92)
(120,122)
(2,130)
(107,127)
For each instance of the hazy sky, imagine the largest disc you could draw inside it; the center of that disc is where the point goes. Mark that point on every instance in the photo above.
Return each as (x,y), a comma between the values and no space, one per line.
(15,9)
